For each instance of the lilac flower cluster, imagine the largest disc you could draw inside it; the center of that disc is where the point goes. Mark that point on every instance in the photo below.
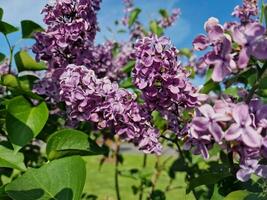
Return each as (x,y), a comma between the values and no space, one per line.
(71,29)
(161,78)
(168,21)
(4,67)
(239,128)
(248,10)
(103,102)
(232,44)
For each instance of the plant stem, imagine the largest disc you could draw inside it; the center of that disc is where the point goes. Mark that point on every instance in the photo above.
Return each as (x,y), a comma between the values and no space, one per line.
(11,49)
(181,154)
(117,150)
(142,183)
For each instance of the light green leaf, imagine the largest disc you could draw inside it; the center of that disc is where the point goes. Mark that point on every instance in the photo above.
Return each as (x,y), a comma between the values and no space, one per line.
(61,179)
(71,142)
(6,28)
(29,27)
(239,194)
(133,16)
(10,159)
(9,80)
(155,28)
(24,121)
(25,62)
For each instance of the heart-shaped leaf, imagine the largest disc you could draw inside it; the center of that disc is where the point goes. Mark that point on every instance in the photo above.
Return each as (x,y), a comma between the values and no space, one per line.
(7,28)
(71,142)
(24,121)
(10,159)
(29,27)
(25,62)
(61,179)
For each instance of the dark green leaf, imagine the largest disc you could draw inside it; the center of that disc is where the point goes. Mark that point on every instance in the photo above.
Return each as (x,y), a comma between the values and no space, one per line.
(164,13)
(263,83)
(10,159)
(25,62)
(210,86)
(155,28)
(71,142)
(133,16)
(208,178)
(6,28)
(159,121)
(1,13)
(158,195)
(2,57)
(29,27)
(26,81)
(24,121)
(61,179)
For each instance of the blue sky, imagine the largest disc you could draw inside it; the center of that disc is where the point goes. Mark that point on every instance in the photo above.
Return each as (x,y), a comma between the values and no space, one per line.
(194,14)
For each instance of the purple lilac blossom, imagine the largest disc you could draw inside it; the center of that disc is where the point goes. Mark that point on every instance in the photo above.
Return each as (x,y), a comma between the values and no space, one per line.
(234,43)
(71,29)
(103,102)
(159,75)
(241,127)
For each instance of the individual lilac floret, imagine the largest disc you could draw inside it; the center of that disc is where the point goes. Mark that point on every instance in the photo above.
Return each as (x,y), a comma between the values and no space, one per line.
(71,29)
(161,78)
(101,101)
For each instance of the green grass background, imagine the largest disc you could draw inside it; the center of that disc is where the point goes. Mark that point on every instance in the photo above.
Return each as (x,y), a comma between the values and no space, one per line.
(101,182)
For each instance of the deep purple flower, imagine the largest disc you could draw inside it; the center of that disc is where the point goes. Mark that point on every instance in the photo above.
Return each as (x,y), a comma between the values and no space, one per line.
(246,11)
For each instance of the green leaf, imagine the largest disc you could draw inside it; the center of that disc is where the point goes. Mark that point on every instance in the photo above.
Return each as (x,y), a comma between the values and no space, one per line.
(6,28)
(208,178)
(128,67)
(159,121)
(239,194)
(2,57)
(24,121)
(26,81)
(155,28)
(210,86)
(61,179)
(164,13)
(1,13)
(71,142)
(9,80)
(29,27)
(263,83)
(10,159)
(126,83)
(232,91)
(186,52)
(133,16)
(25,62)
